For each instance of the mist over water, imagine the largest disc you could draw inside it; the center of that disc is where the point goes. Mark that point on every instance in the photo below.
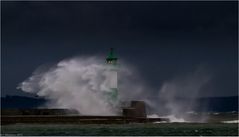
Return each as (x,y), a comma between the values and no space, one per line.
(180,93)
(81,83)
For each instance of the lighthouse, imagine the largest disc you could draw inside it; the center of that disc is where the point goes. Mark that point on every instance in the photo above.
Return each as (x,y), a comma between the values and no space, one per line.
(111,77)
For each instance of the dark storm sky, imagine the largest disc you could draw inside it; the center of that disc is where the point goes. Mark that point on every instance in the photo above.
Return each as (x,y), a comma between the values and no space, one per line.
(163,39)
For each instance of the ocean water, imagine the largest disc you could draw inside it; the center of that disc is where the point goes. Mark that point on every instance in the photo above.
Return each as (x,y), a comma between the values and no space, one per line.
(162,129)
(218,124)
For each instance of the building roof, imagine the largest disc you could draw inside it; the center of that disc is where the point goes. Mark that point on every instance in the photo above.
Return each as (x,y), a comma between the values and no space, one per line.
(111,55)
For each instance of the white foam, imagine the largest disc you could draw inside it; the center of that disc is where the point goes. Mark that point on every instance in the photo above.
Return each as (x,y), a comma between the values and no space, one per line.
(171,118)
(153,116)
(231,121)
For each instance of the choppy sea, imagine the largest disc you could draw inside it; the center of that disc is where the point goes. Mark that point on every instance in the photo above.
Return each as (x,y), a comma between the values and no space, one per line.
(225,124)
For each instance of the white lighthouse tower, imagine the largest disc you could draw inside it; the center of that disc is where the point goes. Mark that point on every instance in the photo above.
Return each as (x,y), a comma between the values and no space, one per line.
(112,81)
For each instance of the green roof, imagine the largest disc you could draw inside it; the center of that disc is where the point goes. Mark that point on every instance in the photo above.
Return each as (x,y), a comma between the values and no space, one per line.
(111,55)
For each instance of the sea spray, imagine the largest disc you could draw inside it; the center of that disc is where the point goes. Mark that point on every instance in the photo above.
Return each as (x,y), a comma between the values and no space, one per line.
(81,83)
(180,94)
(171,118)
